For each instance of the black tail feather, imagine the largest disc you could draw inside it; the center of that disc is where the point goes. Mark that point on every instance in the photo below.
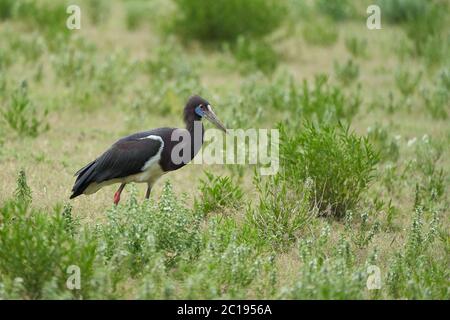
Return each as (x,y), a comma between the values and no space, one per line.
(84,179)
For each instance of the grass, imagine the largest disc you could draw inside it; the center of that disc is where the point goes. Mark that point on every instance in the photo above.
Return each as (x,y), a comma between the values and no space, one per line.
(363,177)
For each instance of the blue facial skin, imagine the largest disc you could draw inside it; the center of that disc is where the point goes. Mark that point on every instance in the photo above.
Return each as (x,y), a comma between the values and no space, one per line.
(199,111)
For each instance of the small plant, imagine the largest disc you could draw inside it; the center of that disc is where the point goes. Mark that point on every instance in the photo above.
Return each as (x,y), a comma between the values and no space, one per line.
(232,18)
(283,209)
(137,12)
(255,54)
(357,47)
(400,11)
(99,11)
(21,115)
(409,275)
(321,33)
(337,10)
(141,231)
(345,169)
(437,98)
(217,193)
(387,146)
(325,103)
(432,178)
(407,82)
(346,73)
(43,250)
(23,191)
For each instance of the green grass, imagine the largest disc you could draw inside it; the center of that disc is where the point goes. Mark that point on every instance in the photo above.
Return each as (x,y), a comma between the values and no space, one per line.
(363,177)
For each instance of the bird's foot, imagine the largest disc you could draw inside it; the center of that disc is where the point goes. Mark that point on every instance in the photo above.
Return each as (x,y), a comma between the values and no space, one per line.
(116,198)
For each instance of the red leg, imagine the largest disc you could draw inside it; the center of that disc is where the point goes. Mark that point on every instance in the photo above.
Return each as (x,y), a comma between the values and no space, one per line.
(117,194)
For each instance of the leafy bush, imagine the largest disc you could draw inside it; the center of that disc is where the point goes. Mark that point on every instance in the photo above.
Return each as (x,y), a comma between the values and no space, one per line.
(407,82)
(225,20)
(138,231)
(282,211)
(217,193)
(425,24)
(326,103)
(431,177)
(399,11)
(6,9)
(438,97)
(415,273)
(337,10)
(255,54)
(340,164)
(43,250)
(346,73)
(357,47)
(21,115)
(327,270)
(386,145)
(320,32)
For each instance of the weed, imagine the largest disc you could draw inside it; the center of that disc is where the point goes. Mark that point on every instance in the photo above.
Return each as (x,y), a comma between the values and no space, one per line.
(337,10)
(42,248)
(217,193)
(320,33)
(349,159)
(255,54)
(357,47)
(410,274)
(23,191)
(231,18)
(346,73)
(407,82)
(282,211)
(21,115)
(386,145)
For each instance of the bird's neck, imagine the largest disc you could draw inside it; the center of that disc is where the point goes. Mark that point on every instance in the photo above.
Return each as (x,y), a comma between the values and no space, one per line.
(196,131)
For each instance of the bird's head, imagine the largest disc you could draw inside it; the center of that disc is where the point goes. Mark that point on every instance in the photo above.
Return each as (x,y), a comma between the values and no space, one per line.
(198,108)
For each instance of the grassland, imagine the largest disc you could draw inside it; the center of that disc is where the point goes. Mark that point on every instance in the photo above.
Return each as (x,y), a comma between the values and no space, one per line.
(374,134)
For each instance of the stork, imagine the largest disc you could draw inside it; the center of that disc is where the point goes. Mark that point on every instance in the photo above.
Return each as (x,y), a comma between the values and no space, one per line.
(145,156)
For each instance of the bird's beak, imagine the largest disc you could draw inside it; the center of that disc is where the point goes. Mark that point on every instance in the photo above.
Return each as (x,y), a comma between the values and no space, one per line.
(211,116)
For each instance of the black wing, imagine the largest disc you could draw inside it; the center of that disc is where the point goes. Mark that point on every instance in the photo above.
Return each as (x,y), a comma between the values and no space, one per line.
(125,157)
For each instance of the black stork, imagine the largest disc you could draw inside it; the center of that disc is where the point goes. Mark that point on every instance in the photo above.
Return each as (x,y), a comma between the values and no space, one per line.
(145,156)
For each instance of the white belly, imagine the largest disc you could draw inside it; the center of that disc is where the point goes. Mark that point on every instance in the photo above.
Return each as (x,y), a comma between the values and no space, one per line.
(149,176)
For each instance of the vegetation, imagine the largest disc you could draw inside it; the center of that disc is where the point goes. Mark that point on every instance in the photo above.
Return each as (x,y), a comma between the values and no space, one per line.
(363,171)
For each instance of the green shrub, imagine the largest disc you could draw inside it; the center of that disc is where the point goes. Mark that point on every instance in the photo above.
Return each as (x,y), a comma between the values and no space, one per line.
(337,10)
(6,9)
(99,11)
(346,73)
(357,47)
(327,270)
(139,231)
(418,271)
(326,103)
(42,248)
(437,98)
(137,12)
(256,55)
(282,210)
(21,115)
(320,32)
(340,164)
(386,145)
(217,193)
(407,82)
(425,24)
(430,176)
(225,20)
(49,17)
(399,11)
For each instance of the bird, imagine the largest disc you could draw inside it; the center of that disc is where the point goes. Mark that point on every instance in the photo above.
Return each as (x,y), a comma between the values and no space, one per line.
(145,156)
